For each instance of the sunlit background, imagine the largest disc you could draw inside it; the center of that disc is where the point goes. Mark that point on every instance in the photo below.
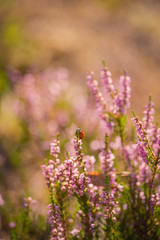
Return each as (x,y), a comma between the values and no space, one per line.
(60,41)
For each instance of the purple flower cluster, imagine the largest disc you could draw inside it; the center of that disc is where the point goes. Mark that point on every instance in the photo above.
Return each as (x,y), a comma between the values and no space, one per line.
(78,149)
(114,194)
(125,83)
(120,99)
(106,159)
(152,131)
(143,158)
(155,199)
(111,206)
(12,224)
(54,148)
(108,196)
(145,149)
(155,140)
(101,105)
(102,204)
(148,133)
(40,92)
(71,178)
(1,200)
(28,201)
(148,116)
(107,80)
(66,174)
(57,232)
(89,162)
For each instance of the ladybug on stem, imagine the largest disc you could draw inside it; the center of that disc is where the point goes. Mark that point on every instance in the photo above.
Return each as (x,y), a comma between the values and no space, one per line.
(79,133)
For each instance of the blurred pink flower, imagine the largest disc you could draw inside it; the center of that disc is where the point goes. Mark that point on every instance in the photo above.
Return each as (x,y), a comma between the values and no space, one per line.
(12,224)
(1,200)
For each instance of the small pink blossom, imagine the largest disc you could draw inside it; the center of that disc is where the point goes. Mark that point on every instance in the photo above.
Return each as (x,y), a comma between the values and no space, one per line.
(12,224)
(1,200)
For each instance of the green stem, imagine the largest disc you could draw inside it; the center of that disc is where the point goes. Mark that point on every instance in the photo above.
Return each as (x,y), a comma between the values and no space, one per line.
(121,133)
(24,224)
(152,183)
(150,189)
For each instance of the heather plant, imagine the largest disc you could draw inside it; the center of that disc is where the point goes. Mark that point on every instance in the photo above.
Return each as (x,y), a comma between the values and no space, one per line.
(119,199)
(20,225)
(40,104)
(111,194)
(45,104)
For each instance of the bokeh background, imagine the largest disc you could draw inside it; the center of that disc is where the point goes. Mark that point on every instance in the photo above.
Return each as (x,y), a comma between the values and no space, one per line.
(62,40)
(79,34)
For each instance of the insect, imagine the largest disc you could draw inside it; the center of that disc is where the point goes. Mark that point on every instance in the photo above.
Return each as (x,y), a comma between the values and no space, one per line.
(79,133)
(98,179)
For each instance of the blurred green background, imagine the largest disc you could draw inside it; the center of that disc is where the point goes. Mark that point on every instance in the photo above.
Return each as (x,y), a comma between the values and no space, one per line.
(79,34)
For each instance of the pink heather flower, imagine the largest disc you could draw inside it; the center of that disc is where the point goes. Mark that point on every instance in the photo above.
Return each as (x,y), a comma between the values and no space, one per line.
(95,145)
(101,105)
(71,176)
(125,206)
(143,152)
(116,144)
(146,151)
(131,155)
(156,140)
(137,157)
(110,205)
(106,159)
(54,151)
(88,221)
(54,148)
(36,95)
(107,80)
(155,199)
(125,83)
(142,196)
(148,116)
(66,174)
(1,200)
(117,108)
(74,232)
(78,149)
(57,229)
(28,201)
(89,162)
(48,172)
(143,173)
(62,118)
(140,131)
(122,99)
(12,224)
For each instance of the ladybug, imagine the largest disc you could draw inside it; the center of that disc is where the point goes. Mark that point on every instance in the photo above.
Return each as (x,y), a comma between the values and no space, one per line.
(79,133)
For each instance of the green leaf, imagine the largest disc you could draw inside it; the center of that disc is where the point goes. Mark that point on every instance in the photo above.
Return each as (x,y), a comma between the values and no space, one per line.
(123,120)
(4,83)
(67,153)
(104,63)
